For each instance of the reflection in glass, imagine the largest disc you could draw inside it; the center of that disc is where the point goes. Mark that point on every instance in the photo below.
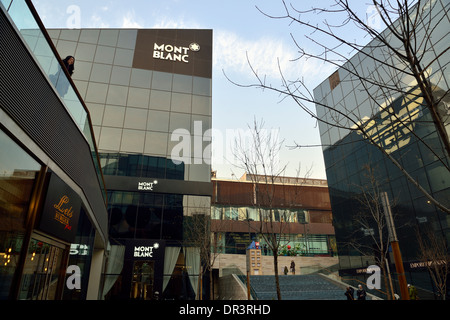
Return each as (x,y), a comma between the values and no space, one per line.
(81,255)
(42,271)
(137,165)
(145,215)
(142,280)
(17,175)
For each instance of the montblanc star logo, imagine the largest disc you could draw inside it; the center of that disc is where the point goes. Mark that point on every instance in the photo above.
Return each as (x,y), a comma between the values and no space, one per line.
(194,47)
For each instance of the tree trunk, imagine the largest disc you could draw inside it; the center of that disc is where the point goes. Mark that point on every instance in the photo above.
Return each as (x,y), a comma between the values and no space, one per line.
(277,279)
(211,285)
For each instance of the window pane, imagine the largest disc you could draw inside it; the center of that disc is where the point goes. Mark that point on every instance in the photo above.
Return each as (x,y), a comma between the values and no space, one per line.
(17,174)
(120,75)
(110,139)
(202,86)
(162,81)
(114,116)
(182,83)
(132,141)
(135,118)
(100,73)
(181,102)
(141,78)
(156,143)
(158,120)
(160,100)
(138,97)
(201,105)
(104,54)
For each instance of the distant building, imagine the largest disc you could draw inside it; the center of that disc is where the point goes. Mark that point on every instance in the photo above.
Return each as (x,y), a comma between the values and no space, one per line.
(300,210)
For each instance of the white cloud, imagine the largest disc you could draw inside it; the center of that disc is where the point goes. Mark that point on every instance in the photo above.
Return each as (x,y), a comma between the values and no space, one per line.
(129,21)
(170,23)
(268,56)
(96,21)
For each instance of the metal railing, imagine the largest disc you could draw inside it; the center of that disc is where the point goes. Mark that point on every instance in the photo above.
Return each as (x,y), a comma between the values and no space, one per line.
(23,14)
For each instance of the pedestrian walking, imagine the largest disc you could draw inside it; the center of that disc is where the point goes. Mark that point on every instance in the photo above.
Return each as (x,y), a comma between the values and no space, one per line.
(412,292)
(349,293)
(292,267)
(361,293)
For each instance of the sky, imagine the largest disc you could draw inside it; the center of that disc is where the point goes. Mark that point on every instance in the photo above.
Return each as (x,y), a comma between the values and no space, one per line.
(241,33)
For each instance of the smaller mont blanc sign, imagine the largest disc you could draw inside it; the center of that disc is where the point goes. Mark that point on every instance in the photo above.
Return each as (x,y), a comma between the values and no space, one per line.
(146,185)
(145,251)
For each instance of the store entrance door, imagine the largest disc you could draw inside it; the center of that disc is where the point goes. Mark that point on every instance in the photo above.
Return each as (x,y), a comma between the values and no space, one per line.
(42,272)
(142,280)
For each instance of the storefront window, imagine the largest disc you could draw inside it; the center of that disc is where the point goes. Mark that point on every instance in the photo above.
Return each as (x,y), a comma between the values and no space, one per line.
(17,176)
(137,165)
(80,254)
(142,280)
(42,271)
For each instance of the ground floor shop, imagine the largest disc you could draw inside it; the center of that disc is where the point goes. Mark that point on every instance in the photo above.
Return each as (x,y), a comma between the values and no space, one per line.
(145,269)
(47,241)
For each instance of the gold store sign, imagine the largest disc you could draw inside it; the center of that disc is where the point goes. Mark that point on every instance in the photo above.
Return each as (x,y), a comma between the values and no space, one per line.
(63,212)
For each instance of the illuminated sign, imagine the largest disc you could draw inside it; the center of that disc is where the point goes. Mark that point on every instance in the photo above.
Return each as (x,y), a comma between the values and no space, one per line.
(149,249)
(79,249)
(174,53)
(61,210)
(179,51)
(144,251)
(146,186)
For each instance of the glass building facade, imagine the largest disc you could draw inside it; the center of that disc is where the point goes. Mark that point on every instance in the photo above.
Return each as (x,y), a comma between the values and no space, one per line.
(148,92)
(403,127)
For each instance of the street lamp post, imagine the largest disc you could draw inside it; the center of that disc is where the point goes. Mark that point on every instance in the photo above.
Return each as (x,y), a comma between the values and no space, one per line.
(395,247)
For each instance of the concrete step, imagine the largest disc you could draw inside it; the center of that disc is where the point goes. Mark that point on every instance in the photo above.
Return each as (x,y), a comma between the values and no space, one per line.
(296,287)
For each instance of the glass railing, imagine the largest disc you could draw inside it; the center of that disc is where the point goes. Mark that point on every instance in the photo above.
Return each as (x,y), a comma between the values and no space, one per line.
(20,13)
